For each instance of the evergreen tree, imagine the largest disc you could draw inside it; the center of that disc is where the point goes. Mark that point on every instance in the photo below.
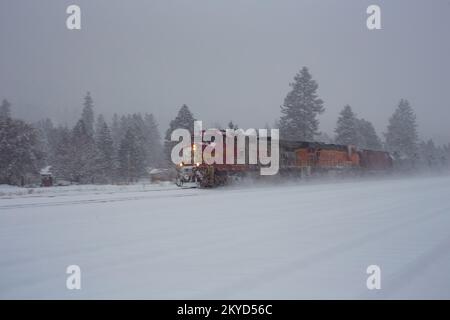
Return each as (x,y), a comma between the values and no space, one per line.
(153,137)
(346,128)
(18,150)
(105,151)
(44,130)
(5,109)
(99,123)
(116,132)
(367,136)
(125,124)
(131,163)
(430,155)
(88,114)
(300,109)
(83,154)
(184,120)
(61,153)
(139,130)
(401,135)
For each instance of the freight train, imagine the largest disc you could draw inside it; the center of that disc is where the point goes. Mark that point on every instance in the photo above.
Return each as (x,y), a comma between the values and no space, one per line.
(296,159)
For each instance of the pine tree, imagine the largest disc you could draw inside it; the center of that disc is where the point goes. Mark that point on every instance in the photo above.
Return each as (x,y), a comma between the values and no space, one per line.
(367,136)
(44,130)
(153,137)
(131,162)
(83,154)
(99,123)
(430,155)
(88,114)
(184,120)
(61,153)
(139,130)
(125,124)
(18,150)
(5,109)
(116,133)
(401,135)
(301,108)
(105,151)
(346,128)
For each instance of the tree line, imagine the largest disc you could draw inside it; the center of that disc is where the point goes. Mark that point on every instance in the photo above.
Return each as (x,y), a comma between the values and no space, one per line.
(92,151)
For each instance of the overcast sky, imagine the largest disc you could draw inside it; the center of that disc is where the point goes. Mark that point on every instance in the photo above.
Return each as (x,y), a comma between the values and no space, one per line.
(226,59)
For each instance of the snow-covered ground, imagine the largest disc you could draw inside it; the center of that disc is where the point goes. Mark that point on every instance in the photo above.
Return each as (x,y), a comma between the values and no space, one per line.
(313,240)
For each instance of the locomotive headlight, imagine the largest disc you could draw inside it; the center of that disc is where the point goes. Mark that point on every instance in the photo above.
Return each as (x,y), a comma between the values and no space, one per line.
(197,164)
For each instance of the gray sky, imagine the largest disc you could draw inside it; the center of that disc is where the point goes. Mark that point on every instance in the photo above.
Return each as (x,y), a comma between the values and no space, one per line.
(226,59)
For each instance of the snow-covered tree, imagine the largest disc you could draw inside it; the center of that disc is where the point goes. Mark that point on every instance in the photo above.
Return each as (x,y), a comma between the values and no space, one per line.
(300,109)
(184,120)
(131,162)
(83,154)
(88,114)
(148,140)
(430,155)
(367,136)
(99,123)
(139,130)
(401,135)
(153,137)
(105,164)
(44,131)
(61,153)
(116,132)
(346,128)
(18,150)
(5,109)
(353,131)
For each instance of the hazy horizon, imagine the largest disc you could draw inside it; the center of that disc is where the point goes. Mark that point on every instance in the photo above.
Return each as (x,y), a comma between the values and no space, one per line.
(227,60)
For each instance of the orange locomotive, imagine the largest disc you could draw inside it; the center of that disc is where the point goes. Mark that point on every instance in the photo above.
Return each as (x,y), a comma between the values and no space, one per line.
(297,158)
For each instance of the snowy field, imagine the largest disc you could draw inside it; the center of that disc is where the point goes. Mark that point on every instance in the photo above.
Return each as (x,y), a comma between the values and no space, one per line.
(289,241)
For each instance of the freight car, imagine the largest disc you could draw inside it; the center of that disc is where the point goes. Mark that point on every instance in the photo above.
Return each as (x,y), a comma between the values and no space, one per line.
(296,158)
